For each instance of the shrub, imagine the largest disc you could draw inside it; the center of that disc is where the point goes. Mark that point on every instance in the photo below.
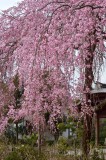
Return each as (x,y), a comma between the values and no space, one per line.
(96,155)
(62,145)
(50,142)
(13,156)
(25,152)
(31,140)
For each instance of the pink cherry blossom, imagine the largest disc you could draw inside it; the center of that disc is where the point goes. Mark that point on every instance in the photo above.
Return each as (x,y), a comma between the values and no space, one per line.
(63,39)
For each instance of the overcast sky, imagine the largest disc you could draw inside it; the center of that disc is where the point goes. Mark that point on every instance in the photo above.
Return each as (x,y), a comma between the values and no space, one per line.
(5,4)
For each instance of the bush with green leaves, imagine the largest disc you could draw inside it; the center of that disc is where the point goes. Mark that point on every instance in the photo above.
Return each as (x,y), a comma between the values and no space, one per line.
(62,145)
(97,155)
(76,130)
(50,142)
(14,155)
(25,152)
(30,139)
(4,150)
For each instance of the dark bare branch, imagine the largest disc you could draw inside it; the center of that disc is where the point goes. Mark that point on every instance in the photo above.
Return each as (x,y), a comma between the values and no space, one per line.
(81,5)
(50,4)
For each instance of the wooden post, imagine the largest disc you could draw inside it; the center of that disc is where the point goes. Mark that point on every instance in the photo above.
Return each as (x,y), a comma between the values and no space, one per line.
(96,129)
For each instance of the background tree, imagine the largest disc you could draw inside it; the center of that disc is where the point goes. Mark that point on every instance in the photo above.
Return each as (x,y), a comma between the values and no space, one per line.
(18,92)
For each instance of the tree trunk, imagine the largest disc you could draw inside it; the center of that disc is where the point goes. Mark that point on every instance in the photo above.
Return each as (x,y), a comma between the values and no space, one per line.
(87,136)
(16,132)
(87,122)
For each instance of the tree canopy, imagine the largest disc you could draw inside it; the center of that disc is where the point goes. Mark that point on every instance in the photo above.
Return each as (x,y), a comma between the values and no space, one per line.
(65,38)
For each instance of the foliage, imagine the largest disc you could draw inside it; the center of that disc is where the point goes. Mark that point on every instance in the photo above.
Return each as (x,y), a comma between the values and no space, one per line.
(24,152)
(50,142)
(4,150)
(75,127)
(28,152)
(13,156)
(62,145)
(30,139)
(10,134)
(102,133)
(96,155)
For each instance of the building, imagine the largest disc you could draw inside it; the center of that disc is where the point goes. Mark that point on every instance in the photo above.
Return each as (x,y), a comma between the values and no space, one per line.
(98,99)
